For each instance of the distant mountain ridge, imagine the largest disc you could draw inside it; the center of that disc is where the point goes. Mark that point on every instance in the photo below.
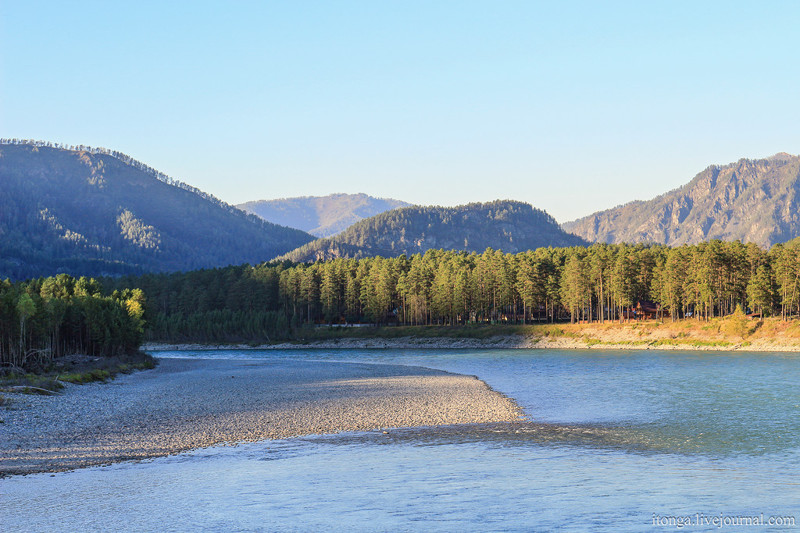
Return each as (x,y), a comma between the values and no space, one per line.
(752,200)
(91,211)
(322,216)
(506,225)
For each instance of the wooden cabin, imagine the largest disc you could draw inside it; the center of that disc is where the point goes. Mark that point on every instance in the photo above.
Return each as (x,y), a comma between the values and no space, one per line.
(645,310)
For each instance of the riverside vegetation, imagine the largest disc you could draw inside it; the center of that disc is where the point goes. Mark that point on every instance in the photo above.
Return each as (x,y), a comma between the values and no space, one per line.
(597,285)
(61,329)
(452,293)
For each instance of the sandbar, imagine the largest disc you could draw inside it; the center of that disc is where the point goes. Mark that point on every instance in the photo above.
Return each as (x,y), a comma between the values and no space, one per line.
(185,404)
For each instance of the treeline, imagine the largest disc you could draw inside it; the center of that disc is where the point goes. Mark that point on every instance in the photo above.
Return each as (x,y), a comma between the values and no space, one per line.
(231,304)
(45,318)
(598,283)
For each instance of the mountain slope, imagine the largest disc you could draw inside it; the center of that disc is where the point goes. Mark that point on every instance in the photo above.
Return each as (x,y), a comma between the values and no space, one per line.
(94,212)
(750,200)
(323,216)
(503,224)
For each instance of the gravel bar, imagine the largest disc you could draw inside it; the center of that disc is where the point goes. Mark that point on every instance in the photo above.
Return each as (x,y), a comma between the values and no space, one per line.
(185,404)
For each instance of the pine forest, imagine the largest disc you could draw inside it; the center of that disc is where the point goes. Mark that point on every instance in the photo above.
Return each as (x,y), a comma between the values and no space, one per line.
(602,282)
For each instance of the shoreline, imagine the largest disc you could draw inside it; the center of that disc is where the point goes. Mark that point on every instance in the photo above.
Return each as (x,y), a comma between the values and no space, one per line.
(186,404)
(503,342)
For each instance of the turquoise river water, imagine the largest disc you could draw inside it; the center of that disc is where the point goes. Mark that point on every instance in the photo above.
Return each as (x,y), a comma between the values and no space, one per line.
(616,441)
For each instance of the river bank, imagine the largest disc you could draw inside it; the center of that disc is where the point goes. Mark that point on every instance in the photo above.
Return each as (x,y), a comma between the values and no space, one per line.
(732,333)
(503,343)
(186,404)
(608,341)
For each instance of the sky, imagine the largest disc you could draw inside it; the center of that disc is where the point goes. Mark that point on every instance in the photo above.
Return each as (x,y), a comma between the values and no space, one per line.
(570,106)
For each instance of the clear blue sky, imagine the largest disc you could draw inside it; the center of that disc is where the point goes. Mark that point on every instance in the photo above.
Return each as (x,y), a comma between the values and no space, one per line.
(571,106)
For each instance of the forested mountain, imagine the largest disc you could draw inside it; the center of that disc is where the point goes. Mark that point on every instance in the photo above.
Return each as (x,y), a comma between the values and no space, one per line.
(503,224)
(86,211)
(323,216)
(751,200)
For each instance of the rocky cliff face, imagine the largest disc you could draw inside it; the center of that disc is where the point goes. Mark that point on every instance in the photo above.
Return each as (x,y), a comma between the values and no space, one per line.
(750,200)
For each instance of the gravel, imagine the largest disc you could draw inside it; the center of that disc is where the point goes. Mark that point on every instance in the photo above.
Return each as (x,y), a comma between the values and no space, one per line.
(185,404)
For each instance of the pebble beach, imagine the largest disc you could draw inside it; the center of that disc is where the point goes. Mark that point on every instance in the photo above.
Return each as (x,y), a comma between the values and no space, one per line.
(185,404)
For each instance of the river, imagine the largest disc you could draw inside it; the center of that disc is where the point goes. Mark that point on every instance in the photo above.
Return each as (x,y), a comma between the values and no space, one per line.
(615,441)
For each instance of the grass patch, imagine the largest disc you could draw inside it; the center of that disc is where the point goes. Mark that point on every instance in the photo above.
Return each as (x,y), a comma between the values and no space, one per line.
(86,377)
(469,331)
(472,331)
(626,343)
(31,383)
(703,343)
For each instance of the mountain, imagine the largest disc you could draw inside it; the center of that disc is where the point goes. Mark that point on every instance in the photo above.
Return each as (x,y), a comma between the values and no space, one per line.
(751,200)
(503,224)
(86,211)
(323,216)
